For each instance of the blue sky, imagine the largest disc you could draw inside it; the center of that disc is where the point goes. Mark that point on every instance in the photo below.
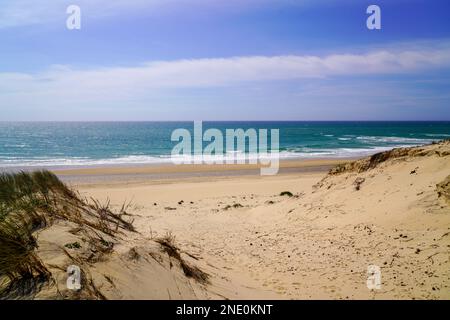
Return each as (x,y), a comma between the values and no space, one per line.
(224,60)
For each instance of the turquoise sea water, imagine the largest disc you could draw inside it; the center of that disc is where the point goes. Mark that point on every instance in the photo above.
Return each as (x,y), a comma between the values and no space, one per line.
(53,144)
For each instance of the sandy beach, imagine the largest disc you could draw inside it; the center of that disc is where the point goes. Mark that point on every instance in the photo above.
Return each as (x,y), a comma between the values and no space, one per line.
(314,242)
(164,173)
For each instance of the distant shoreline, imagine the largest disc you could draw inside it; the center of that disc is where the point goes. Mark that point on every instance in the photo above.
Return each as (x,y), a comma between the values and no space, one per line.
(138,172)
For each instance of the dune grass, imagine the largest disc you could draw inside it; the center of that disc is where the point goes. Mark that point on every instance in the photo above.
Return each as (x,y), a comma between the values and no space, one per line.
(30,201)
(167,242)
(233,206)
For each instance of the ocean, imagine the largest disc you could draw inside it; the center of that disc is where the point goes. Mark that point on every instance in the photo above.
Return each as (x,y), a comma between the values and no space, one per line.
(75,144)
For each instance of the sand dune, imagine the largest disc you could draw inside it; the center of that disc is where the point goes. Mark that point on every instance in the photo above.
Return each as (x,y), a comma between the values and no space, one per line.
(243,240)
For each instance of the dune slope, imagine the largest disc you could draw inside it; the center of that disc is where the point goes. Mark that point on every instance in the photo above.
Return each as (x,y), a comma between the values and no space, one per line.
(390,210)
(293,236)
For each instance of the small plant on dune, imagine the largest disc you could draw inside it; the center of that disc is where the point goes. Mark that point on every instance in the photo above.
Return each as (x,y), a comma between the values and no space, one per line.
(75,245)
(443,189)
(286,193)
(32,201)
(235,206)
(168,244)
(358,182)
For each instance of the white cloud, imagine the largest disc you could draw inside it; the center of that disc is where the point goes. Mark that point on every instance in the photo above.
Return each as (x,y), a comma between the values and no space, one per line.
(225,71)
(61,84)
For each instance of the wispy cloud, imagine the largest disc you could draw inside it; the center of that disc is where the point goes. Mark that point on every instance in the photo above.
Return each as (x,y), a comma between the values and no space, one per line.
(228,71)
(140,84)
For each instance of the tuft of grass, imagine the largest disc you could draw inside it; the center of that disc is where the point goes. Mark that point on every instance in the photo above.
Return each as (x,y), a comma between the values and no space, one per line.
(443,189)
(168,244)
(235,206)
(75,245)
(133,254)
(30,201)
(286,193)
(358,182)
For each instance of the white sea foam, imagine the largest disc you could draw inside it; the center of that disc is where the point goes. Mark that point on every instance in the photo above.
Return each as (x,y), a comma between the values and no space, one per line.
(402,140)
(379,145)
(76,161)
(302,153)
(437,135)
